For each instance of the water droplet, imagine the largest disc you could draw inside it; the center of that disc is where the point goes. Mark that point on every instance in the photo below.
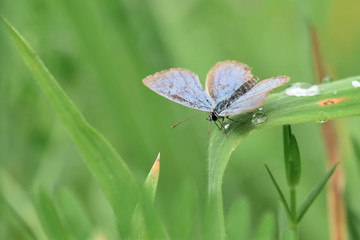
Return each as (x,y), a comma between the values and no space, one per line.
(226,126)
(334,92)
(302,90)
(321,121)
(328,79)
(260,108)
(258,118)
(355,84)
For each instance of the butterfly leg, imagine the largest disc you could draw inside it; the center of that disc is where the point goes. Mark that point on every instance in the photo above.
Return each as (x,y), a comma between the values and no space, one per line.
(223,127)
(222,123)
(234,120)
(217,125)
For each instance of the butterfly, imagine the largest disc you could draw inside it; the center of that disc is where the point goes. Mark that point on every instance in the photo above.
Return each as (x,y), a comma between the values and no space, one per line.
(230,88)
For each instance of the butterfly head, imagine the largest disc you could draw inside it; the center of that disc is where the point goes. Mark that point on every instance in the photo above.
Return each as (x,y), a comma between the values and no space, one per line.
(213,116)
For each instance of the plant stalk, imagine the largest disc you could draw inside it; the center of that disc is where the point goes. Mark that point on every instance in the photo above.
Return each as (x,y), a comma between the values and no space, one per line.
(293,220)
(336,206)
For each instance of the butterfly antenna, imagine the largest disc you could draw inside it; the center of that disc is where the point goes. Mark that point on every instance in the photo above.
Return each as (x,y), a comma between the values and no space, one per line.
(188,119)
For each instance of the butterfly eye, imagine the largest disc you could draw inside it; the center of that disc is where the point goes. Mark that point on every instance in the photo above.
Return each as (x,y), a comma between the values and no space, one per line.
(213,116)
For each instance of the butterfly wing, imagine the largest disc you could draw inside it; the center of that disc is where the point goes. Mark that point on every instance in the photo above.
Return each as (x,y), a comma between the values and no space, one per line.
(181,86)
(255,97)
(226,77)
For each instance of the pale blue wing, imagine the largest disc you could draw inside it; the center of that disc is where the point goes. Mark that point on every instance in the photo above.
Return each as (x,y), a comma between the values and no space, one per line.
(226,77)
(255,97)
(181,86)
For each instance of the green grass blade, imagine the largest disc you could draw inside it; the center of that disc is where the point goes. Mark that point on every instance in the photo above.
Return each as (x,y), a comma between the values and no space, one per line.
(315,192)
(153,178)
(266,227)
(336,99)
(354,222)
(281,195)
(220,150)
(75,217)
(12,216)
(238,220)
(147,223)
(356,147)
(110,171)
(291,157)
(288,235)
(50,218)
(185,215)
(138,224)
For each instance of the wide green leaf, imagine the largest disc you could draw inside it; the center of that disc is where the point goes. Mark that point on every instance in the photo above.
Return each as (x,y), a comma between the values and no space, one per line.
(110,171)
(336,99)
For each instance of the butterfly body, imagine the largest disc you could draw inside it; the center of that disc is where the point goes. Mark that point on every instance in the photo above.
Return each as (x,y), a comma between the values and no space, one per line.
(231,89)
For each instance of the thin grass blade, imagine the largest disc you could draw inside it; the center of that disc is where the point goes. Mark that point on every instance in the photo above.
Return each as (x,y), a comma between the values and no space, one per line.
(185,214)
(281,195)
(153,178)
(110,171)
(50,218)
(75,217)
(238,220)
(145,224)
(266,228)
(12,217)
(356,147)
(315,192)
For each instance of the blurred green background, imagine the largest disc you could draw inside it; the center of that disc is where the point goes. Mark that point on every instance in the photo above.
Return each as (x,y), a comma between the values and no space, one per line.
(99,52)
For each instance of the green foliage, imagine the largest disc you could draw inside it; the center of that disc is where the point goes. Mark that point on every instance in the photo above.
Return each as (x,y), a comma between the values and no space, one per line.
(279,109)
(100,50)
(356,148)
(109,169)
(76,219)
(142,226)
(266,227)
(50,218)
(291,157)
(281,195)
(238,220)
(292,172)
(23,229)
(315,192)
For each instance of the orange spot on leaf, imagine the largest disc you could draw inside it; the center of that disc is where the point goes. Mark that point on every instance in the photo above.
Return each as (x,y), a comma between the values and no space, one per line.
(331,101)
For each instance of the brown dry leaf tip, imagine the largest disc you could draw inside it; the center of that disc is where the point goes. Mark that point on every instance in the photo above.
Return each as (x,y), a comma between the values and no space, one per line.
(331,101)
(154,172)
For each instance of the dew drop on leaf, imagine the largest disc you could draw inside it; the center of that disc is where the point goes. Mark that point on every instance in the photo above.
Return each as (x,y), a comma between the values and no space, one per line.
(258,118)
(355,83)
(302,90)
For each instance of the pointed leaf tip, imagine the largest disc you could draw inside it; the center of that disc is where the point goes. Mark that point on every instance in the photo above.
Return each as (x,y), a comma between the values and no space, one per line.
(153,177)
(154,171)
(315,192)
